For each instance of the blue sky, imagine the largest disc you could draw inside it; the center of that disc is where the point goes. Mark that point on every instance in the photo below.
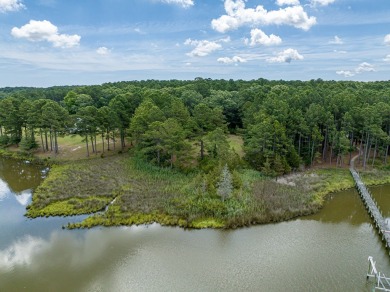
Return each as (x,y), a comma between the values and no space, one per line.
(53,42)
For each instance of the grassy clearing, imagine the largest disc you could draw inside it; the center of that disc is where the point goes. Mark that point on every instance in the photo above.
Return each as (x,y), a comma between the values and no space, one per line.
(237,143)
(73,148)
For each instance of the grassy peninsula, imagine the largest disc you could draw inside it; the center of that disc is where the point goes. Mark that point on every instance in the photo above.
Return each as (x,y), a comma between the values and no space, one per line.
(124,190)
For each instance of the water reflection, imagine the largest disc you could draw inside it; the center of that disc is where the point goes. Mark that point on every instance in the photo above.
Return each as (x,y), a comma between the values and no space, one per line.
(345,206)
(65,261)
(324,252)
(4,190)
(290,256)
(19,175)
(381,194)
(21,252)
(24,198)
(15,194)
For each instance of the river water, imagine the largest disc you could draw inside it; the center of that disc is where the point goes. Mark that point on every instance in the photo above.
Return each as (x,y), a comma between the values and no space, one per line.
(324,252)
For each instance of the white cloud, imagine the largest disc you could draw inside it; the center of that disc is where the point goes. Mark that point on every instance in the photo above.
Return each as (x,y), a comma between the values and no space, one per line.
(387,58)
(363,67)
(204,47)
(322,2)
(336,41)
(259,37)
(103,51)
(287,2)
(225,40)
(235,59)
(10,5)
(183,3)
(286,56)
(346,73)
(387,39)
(38,31)
(237,16)
(65,40)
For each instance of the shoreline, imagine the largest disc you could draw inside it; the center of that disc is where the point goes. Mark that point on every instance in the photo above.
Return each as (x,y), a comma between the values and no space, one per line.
(107,195)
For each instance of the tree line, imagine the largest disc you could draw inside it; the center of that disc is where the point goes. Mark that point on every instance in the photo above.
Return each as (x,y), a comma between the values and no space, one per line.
(284,124)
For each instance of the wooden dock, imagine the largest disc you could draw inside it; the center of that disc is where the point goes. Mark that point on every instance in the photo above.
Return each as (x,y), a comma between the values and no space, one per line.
(382,282)
(372,208)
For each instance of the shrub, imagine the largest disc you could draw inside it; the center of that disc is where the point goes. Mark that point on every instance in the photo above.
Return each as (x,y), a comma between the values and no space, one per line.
(4,140)
(28,144)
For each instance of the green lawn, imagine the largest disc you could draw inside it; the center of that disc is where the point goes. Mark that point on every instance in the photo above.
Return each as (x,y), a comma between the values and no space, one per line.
(73,147)
(236,143)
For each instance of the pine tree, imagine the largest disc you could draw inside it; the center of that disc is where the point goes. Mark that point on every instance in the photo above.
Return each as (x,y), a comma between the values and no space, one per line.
(225,184)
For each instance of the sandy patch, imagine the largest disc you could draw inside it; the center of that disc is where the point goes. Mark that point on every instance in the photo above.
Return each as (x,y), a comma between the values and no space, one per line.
(77,148)
(294,178)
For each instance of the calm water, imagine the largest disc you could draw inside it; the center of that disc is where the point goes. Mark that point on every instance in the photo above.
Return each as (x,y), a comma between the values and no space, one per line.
(324,252)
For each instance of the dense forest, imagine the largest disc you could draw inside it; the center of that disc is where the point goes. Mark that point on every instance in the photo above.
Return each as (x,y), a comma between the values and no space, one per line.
(284,124)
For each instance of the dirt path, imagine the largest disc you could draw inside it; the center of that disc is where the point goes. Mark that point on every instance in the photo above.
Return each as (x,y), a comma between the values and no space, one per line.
(354,158)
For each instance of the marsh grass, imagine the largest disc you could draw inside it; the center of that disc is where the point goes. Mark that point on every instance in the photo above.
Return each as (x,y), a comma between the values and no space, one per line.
(21,155)
(77,188)
(282,202)
(322,182)
(132,191)
(376,176)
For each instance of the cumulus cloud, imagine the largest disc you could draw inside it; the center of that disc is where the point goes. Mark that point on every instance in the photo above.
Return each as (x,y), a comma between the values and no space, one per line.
(345,73)
(259,37)
(235,59)
(38,31)
(322,2)
(387,58)
(363,67)
(203,47)
(10,5)
(287,2)
(286,56)
(183,3)
(387,39)
(103,51)
(237,15)
(336,41)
